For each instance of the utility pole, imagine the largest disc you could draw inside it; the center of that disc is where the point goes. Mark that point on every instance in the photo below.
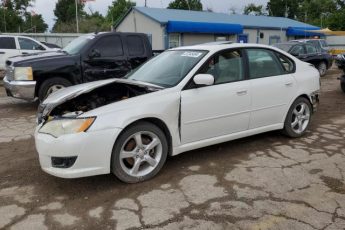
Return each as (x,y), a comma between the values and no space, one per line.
(5,8)
(76,15)
(145,3)
(188,4)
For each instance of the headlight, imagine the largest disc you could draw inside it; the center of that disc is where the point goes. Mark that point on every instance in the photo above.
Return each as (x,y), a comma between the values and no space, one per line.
(23,74)
(59,127)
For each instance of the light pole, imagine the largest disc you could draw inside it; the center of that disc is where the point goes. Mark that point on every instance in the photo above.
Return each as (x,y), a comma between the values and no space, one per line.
(76,15)
(5,8)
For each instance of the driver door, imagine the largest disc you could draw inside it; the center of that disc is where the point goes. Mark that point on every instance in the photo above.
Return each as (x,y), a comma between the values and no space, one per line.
(219,109)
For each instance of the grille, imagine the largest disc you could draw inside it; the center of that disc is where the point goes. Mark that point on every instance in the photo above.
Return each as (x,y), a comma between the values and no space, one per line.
(10,73)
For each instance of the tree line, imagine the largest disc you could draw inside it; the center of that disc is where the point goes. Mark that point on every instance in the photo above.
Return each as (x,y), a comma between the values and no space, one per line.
(15,16)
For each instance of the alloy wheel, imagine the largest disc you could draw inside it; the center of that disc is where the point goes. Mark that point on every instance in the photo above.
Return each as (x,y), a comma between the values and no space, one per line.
(141,153)
(300,117)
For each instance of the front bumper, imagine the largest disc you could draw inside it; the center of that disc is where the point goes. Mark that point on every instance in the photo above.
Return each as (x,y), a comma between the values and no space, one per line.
(20,89)
(93,150)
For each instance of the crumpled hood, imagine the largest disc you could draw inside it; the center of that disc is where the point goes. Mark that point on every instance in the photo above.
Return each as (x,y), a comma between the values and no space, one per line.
(63,95)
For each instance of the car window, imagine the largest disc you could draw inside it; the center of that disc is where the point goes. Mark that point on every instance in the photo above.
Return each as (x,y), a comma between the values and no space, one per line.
(287,63)
(135,45)
(297,50)
(311,49)
(109,46)
(7,43)
(27,44)
(225,67)
(262,63)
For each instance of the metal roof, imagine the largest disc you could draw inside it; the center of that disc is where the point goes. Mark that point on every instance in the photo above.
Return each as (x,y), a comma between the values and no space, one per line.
(163,16)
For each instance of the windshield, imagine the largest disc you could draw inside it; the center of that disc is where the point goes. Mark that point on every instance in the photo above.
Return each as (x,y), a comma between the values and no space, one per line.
(285,47)
(77,44)
(168,68)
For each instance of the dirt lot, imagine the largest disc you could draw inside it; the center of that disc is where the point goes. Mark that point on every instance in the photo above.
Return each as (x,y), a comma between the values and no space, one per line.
(266,181)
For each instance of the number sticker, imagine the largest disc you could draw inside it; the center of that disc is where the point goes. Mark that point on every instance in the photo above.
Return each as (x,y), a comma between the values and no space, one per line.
(191,54)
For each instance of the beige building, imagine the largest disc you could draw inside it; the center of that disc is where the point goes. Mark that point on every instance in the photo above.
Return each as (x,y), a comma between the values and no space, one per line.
(169,28)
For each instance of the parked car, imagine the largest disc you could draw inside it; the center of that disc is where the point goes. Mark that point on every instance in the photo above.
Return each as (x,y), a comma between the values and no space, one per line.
(17,45)
(88,58)
(183,99)
(308,53)
(320,44)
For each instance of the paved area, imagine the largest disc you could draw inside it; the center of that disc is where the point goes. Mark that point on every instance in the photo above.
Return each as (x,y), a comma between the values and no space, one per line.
(266,181)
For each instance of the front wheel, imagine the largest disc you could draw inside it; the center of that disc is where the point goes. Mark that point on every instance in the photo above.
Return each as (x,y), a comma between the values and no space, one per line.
(139,153)
(298,118)
(50,86)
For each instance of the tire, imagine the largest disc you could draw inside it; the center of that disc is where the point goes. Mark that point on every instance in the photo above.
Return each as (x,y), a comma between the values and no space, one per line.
(322,68)
(129,153)
(51,85)
(342,85)
(297,120)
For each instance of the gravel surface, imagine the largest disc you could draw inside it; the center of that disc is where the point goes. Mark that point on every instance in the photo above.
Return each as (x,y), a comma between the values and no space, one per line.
(267,181)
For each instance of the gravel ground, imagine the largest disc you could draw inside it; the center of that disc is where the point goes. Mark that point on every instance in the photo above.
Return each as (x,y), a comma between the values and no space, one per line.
(267,181)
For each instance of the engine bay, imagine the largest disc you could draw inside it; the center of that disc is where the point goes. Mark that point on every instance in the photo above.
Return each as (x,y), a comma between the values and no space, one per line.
(99,97)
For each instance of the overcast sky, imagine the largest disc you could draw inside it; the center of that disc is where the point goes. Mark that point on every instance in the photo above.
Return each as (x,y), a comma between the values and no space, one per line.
(46,7)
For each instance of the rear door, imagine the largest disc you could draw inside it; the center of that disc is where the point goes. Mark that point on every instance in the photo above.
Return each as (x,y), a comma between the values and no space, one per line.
(272,86)
(105,59)
(137,53)
(7,49)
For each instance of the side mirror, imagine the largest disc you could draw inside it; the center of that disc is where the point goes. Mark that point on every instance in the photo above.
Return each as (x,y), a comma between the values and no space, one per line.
(94,53)
(203,79)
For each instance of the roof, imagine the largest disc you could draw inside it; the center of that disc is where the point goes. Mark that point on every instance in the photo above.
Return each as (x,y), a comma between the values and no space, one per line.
(163,16)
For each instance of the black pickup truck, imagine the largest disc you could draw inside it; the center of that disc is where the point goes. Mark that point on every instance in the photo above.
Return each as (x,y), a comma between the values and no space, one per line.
(88,58)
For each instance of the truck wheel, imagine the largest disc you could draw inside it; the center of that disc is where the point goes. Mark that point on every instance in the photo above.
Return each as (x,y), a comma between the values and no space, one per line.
(322,67)
(139,153)
(50,86)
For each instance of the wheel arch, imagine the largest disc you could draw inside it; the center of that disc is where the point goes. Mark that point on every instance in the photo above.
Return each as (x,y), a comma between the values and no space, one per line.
(44,77)
(160,124)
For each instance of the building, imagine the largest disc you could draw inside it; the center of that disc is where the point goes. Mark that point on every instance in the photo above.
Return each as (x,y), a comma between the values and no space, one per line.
(170,28)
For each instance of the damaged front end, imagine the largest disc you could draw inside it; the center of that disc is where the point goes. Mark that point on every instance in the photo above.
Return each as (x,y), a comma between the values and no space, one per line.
(76,100)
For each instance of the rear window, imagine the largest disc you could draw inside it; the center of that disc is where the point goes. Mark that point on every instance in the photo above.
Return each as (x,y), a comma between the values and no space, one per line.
(7,43)
(135,45)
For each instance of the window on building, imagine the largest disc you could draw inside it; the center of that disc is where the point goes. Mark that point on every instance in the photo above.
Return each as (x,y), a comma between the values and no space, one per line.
(174,40)
(274,40)
(7,43)
(109,46)
(263,63)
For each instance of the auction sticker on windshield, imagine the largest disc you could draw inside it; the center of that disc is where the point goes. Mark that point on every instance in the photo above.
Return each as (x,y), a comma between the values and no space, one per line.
(191,54)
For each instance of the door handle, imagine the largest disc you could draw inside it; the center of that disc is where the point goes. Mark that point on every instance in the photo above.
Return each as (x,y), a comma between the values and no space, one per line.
(25,53)
(289,83)
(2,52)
(242,92)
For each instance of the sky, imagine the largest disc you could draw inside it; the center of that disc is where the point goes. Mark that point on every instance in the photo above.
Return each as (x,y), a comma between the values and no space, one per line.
(46,7)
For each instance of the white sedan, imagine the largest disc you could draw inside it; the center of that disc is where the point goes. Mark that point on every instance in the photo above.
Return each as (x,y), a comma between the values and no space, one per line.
(185,98)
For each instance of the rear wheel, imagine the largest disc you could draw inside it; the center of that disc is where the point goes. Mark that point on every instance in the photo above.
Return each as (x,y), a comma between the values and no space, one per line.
(139,153)
(322,67)
(50,86)
(298,118)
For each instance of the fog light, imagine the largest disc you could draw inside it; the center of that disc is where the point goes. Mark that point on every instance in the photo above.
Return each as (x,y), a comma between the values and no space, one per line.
(63,162)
